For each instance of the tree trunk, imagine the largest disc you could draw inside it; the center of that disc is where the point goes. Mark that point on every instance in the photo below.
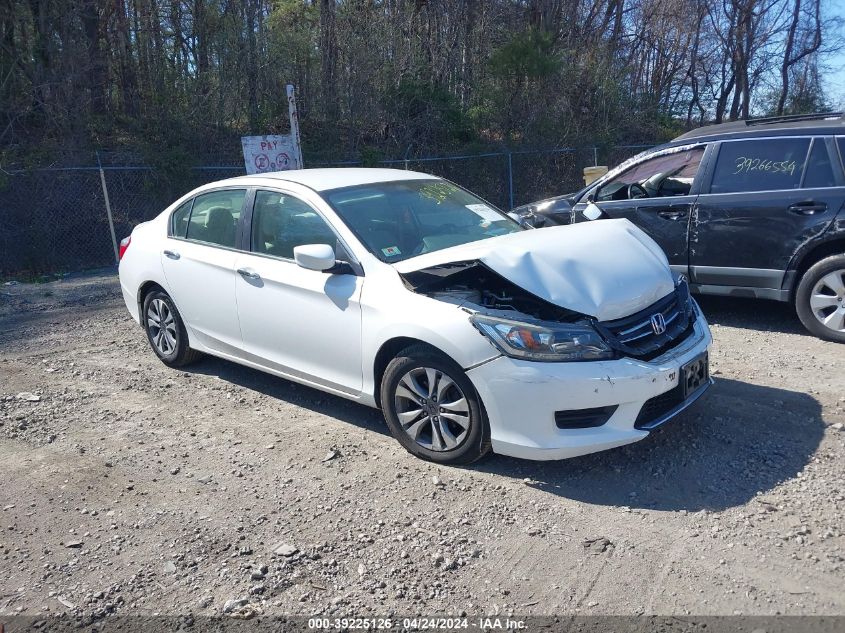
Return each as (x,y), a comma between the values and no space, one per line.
(92,26)
(128,76)
(790,57)
(328,54)
(252,64)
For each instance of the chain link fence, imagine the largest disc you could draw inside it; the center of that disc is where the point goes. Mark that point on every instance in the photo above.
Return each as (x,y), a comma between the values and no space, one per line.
(60,219)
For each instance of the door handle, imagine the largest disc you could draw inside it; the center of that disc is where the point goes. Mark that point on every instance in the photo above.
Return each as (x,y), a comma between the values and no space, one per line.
(807,208)
(172,254)
(249,273)
(672,215)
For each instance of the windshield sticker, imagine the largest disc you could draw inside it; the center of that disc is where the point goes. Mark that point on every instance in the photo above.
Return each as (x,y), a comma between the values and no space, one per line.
(438,191)
(485,212)
(391,251)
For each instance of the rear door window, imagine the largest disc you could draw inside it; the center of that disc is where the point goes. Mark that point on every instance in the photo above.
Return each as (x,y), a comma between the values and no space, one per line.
(819,172)
(179,219)
(215,215)
(760,165)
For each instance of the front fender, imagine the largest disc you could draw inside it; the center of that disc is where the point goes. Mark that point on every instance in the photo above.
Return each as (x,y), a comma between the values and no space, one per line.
(397,312)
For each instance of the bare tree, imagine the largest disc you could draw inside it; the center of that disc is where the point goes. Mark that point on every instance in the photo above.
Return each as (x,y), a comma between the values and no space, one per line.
(804,38)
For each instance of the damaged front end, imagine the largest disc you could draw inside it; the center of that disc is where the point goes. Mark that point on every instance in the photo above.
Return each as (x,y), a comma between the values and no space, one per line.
(523,325)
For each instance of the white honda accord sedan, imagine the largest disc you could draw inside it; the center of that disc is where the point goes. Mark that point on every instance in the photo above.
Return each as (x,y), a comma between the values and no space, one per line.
(405,292)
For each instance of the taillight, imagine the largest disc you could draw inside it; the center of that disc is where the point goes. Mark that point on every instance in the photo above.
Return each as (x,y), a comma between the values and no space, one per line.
(124,245)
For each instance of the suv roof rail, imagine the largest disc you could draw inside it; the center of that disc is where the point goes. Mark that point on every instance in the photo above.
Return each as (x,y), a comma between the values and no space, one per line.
(793,117)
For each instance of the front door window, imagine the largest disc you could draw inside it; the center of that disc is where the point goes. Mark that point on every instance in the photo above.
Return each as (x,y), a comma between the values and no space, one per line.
(667,175)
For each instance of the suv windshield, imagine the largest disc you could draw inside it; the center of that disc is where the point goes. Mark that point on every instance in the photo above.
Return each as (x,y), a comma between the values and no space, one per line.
(398,220)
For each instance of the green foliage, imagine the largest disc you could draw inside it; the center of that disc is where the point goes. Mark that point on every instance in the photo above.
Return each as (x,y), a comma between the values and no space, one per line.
(371,157)
(529,55)
(188,78)
(171,169)
(804,100)
(292,35)
(429,114)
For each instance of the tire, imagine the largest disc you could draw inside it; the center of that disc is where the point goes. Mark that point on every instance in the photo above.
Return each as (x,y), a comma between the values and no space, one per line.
(457,433)
(820,299)
(170,343)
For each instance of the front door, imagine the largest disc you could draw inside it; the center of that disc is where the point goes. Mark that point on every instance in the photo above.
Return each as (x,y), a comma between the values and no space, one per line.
(768,197)
(657,195)
(300,322)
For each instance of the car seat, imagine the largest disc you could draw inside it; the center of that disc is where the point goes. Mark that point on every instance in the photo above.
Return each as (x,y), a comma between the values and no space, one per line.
(220,227)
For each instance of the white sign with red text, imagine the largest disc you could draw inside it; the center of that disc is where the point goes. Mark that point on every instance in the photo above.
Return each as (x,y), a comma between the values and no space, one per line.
(264,154)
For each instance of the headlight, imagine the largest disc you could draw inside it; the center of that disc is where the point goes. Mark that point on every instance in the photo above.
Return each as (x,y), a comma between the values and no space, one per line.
(543,341)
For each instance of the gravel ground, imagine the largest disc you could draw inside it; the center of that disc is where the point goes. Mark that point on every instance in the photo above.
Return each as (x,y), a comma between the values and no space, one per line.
(131,488)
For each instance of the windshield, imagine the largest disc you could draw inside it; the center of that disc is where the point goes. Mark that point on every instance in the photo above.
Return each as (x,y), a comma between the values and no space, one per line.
(399,220)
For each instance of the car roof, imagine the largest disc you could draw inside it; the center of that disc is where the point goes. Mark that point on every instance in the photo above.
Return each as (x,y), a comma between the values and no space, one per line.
(324,179)
(822,123)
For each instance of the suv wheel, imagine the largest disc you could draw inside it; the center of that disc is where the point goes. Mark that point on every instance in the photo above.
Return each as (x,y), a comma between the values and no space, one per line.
(432,409)
(166,331)
(820,299)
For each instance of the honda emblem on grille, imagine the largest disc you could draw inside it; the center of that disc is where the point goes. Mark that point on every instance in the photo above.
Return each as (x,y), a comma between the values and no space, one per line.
(658,323)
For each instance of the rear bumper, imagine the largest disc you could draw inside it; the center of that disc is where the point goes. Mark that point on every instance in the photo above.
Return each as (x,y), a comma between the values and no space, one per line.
(131,301)
(521,398)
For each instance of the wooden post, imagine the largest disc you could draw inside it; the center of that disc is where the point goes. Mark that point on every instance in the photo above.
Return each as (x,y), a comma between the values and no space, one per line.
(108,210)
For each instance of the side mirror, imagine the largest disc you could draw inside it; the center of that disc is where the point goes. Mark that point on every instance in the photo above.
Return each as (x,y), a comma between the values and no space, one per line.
(526,220)
(592,212)
(314,256)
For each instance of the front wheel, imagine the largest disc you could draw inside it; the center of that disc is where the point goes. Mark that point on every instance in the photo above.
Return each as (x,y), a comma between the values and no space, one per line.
(432,408)
(820,299)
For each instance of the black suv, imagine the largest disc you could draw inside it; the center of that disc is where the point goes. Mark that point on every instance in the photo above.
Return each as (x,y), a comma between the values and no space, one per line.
(749,209)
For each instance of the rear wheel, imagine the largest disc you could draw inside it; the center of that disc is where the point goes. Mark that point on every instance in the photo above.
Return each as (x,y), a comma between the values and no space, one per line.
(166,330)
(432,408)
(820,299)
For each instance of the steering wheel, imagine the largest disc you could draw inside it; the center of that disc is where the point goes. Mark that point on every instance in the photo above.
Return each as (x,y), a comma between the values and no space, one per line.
(635,186)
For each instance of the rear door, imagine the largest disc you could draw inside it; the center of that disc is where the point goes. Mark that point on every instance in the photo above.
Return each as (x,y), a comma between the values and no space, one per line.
(658,194)
(303,323)
(199,264)
(767,197)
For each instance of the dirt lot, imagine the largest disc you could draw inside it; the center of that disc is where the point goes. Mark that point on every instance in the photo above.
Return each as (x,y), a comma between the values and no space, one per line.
(131,488)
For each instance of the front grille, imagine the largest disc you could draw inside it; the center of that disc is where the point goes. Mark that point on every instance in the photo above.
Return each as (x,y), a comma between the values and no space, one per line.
(635,336)
(659,405)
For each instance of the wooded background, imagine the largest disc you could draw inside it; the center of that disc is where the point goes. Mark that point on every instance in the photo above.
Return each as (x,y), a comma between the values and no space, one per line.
(391,78)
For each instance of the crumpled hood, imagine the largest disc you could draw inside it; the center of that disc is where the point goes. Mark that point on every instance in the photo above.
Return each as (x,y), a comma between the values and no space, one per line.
(607,269)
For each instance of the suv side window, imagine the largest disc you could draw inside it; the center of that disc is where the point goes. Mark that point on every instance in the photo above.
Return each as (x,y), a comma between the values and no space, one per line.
(760,165)
(658,177)
(214,217)
(179,219)
(281,222)
(819,172)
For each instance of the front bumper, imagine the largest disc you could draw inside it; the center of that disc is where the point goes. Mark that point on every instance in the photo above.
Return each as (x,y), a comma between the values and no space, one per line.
(521,398)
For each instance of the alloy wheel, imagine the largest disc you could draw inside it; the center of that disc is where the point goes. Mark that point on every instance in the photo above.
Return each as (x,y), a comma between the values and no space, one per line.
(827,301)
(161,326)
(432,409)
